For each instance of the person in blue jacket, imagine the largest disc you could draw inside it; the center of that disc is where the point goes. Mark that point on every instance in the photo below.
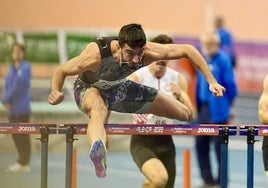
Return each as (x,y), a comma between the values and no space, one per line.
(16,100)
(212,110)
(226,39)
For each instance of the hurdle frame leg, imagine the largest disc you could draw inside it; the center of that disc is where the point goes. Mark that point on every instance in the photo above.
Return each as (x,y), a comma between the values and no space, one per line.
(224,157)
(44,131)
(69,156)
(250,156)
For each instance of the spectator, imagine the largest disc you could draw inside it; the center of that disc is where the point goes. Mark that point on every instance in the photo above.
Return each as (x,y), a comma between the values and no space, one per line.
(16,100)
(212,110)
(262,112)
(226,39)
(155,155)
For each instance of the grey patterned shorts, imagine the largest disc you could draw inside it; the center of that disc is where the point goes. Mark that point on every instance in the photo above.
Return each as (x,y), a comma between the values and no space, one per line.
(121,96)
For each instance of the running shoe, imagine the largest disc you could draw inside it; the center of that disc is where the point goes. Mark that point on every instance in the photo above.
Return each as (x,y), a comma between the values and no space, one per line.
(98,156)
(18,168)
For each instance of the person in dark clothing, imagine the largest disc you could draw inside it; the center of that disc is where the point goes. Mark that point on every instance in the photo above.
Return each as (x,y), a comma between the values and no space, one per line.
(17,99)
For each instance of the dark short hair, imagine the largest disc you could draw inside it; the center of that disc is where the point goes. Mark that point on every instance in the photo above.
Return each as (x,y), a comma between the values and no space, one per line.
(132,35)
(162,39)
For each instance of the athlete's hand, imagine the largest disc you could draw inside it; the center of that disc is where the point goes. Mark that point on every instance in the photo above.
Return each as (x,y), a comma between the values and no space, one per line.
(55,97)
(175,90)
(217,90)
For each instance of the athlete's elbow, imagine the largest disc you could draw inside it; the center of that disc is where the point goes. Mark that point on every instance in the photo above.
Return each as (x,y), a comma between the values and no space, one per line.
(189,51)
(59,70)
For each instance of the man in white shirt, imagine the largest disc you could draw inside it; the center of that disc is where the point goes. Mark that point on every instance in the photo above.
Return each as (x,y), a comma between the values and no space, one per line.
(155,155)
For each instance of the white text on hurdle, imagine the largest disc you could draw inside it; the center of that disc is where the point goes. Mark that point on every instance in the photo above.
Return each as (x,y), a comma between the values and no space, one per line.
(206,130)
(26,129)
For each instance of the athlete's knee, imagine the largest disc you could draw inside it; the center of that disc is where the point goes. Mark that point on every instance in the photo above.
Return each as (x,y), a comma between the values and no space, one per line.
(159,180)
(184,114)
(94,104)
(99,104)
(99,109)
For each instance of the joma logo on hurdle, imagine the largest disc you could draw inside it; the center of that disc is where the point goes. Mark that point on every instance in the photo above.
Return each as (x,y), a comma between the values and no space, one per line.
(26,129)
(206,130)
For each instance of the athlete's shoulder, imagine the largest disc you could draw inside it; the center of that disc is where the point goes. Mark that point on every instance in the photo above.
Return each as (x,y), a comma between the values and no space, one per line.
(104,45)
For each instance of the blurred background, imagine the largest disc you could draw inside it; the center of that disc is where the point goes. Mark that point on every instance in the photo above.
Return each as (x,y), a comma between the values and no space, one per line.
(55,31)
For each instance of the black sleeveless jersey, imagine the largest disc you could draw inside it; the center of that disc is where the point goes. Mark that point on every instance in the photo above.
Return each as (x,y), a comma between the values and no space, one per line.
(108,70)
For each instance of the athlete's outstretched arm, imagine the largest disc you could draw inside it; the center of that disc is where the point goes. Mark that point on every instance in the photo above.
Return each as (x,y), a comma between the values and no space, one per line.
(156,51)
(89,59)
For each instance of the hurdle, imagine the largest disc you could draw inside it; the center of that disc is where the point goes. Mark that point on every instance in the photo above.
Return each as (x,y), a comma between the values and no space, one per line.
(129,129)
(251,132)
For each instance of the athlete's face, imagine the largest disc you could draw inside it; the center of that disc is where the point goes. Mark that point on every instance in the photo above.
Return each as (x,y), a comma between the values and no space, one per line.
(132,55)
(159,68)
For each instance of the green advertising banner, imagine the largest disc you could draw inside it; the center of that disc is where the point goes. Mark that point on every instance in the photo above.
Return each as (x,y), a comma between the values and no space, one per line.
(76,43)
(41,47)
(6,41)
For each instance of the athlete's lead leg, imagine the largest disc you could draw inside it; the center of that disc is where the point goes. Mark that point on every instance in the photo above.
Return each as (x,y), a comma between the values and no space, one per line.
(96,110)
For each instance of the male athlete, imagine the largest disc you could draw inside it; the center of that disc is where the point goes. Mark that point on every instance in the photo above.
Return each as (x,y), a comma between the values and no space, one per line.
(101,84)
(155,155)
